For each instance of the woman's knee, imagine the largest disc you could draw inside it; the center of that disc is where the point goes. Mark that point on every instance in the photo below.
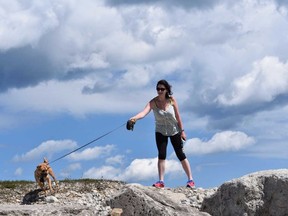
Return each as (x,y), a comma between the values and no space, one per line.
(180,154)
(162,156)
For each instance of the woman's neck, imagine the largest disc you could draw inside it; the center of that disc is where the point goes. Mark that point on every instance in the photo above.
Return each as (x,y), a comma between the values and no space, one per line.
(161,98)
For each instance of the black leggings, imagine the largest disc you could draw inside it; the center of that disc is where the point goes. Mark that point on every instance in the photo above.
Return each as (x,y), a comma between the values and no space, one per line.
(177,144)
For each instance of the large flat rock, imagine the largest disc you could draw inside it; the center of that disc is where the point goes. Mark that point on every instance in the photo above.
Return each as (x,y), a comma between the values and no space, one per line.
(262,193)
(136,199)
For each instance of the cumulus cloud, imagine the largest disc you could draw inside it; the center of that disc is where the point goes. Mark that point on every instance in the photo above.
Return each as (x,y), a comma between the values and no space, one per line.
(265,87)
(117,159)
(138,170)
(141,169)
(221,142)
(25,22)
(239,55)
(134,52)
(57,43)
(46,149)
(33,68)
(92,153)
(76,50)
(64,53)
(145,169)
(106,172)
(30,32)
(169,3)
(58,100)
(282,2)
(22,61)
(265,83)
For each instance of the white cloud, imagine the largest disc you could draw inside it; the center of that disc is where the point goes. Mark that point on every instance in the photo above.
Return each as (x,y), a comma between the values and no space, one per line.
(146,169)
(138,170)
(66,173)
(46,149)
(117,159)
(267,80)
(58,99)
(91,58)
(220,142)
(136,76)
(18,171)
(25,23)
(106,172)
(93,61)
(93,153)
(144,44)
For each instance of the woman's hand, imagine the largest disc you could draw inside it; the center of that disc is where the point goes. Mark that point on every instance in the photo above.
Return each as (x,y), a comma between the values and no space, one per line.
(130,124)
(183,135)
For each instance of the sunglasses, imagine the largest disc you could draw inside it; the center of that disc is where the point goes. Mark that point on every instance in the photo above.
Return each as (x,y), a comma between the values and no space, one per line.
(160,89)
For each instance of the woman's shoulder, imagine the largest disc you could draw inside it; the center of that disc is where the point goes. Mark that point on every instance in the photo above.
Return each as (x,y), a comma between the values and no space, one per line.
(172,100)
(153,102)
(153,99)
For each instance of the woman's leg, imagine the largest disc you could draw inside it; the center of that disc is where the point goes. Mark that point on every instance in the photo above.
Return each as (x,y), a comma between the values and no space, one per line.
(186,166)
(178,148)
(161,142)
(161,169)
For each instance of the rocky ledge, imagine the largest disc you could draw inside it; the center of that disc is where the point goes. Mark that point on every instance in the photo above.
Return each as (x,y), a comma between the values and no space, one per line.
(260,194)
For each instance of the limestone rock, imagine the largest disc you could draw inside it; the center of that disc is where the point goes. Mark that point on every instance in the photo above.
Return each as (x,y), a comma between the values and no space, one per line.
(258,194)
(136,199)
(82,197)
(51,199)
(116,212)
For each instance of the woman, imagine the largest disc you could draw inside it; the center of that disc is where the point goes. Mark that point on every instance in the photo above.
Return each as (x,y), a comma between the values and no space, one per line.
(168,125)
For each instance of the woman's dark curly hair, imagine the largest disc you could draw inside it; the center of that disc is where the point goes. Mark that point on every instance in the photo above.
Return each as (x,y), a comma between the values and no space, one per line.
(167,86)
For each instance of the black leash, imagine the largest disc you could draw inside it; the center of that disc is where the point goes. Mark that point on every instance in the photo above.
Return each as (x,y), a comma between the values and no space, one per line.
(111,131)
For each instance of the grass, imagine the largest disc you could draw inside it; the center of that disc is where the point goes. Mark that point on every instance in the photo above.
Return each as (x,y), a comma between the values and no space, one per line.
(22,183)
(13,184)
(89,180)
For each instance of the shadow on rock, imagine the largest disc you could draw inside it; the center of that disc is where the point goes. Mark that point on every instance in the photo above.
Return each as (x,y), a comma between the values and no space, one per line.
(32,197)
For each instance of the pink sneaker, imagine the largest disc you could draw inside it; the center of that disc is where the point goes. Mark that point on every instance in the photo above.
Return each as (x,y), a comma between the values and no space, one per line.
(191,184)
(159,184)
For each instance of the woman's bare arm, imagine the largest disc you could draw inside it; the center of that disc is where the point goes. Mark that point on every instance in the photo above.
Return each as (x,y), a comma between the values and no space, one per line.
(144,112)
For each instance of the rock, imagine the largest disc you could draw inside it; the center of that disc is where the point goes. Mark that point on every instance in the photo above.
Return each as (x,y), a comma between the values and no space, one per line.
(116,212)
(263,193)
(258,194)
(79,197)
(196,196)
(51,199)
(136,199)
(32,197)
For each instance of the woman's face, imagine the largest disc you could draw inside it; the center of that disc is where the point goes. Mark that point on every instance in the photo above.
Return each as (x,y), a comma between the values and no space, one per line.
(161,89)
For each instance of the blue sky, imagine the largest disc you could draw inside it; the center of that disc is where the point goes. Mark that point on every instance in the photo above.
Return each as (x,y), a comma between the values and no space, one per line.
(71,72)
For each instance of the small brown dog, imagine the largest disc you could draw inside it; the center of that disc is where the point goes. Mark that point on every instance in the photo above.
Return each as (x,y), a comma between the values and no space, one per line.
(43,173)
